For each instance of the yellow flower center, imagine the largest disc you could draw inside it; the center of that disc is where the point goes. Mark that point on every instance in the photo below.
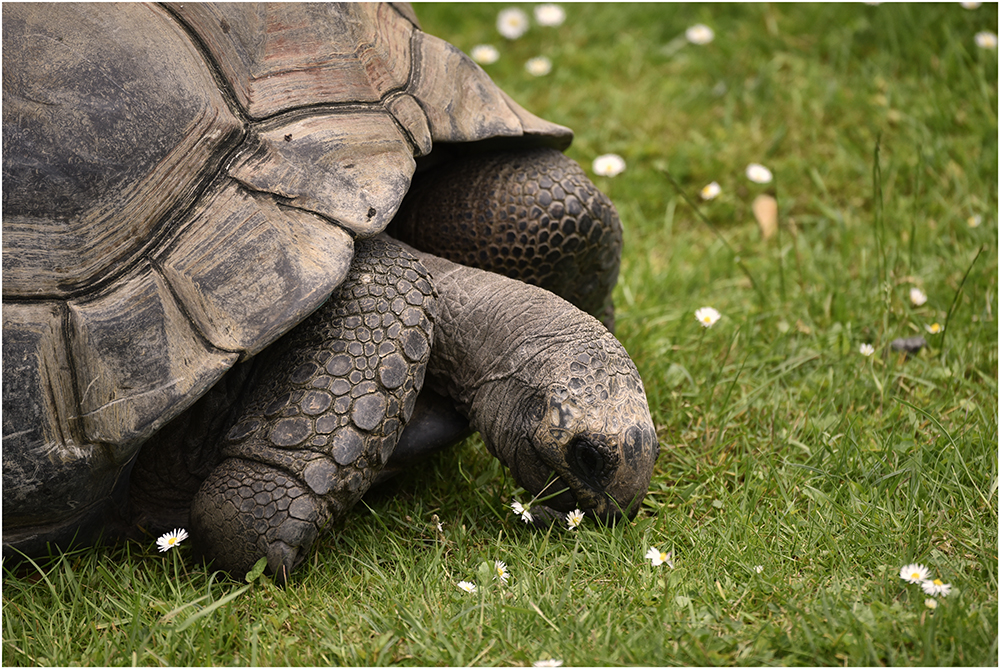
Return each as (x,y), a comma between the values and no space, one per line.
(915,574)
(663,557)
(172,540)
(938,582)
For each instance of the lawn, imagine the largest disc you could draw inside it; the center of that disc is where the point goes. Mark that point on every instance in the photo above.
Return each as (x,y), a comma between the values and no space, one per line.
(797,475)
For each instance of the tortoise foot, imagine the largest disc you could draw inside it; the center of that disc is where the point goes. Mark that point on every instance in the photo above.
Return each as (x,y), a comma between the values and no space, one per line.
(246,510)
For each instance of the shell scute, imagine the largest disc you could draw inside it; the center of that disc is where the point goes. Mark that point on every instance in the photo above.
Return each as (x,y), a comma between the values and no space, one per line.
(138,360)
(247,269)
(281,56)
(353,168)
(104,137)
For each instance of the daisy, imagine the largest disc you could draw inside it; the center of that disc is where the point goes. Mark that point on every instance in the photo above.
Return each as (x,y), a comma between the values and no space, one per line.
(914,573)
(574,518)
(936,587)
(512,22)
(171,539)
(501,569)
(521,511)
(759,568)
(707,316)
(970,5)
(485,54)
(468,587)
(867,350)
(986,40)
(699,34)
(549,15)
(658,557)
(934,328)
(930,603)
(609,165)
(917,297)
(547,663)
(539,66)
(711,191)
(974,221)
(759,174)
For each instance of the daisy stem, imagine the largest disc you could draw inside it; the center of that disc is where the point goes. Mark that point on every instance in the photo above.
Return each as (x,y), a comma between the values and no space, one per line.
(539,498)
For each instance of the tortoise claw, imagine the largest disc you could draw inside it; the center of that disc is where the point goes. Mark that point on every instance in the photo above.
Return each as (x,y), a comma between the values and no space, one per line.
(282,559)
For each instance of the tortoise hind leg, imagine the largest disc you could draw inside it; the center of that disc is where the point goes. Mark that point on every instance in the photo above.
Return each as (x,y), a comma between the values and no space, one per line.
(328,408)
(531,215)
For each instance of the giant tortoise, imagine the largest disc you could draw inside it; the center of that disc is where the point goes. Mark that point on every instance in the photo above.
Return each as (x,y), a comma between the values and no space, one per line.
(204,323)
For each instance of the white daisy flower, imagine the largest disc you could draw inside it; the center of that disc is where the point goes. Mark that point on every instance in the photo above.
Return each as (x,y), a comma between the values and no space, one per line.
(521,511)
(970,5)
(974,221)
(171,539)
(512,22)
(538,66)
(468,587)
(609,165)
(917,297)
(759,174)
(759,568)
(914,573)
(707,316)
(485,54)
(501,569)
(658,557)
(936,587)
(699,34)
(930,603)
(986,40)
(547,663)
(934,328)
(549,14)
(574,518)
(867,350)
(711,191)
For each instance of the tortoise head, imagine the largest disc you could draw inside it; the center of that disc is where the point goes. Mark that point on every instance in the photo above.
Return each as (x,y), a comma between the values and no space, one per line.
(583,437)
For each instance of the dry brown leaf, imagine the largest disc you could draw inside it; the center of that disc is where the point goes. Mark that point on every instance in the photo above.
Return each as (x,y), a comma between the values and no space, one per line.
(765,210)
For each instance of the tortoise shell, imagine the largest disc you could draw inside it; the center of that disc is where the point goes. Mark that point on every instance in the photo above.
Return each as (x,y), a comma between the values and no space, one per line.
(182,185)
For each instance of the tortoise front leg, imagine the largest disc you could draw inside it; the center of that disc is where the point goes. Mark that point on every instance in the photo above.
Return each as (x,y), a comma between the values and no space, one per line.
(330,403)
(531,215)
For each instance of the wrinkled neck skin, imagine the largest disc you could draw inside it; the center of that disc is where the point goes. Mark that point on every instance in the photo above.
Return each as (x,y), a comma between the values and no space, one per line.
(553,394)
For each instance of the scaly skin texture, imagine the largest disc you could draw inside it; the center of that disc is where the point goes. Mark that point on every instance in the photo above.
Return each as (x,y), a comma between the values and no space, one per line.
(531,215)
(326,409)
(553,393)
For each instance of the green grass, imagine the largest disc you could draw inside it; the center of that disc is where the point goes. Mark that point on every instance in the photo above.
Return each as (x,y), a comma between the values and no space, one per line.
(782,446)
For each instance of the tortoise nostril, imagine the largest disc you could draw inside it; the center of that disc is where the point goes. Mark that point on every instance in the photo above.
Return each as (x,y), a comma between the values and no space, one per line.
(587,459)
